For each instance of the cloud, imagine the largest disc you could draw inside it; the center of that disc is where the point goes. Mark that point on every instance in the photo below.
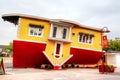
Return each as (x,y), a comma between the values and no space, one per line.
(8,32)
(96,13)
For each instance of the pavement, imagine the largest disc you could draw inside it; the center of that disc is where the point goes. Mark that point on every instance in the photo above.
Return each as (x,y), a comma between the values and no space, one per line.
(64,74)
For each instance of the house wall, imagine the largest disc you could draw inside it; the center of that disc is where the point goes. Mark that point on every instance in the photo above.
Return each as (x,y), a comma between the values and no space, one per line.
(23,30)
(111,59)
(31,47)
(83,56)
(118,59)
(28,54)
(50,52)
(28,50)
(96,45)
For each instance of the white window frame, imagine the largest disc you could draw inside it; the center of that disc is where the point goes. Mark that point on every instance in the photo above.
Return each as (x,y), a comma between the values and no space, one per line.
(92,40)
(61,47)
(58,32)
(37,28)
(85,41)
(67,33)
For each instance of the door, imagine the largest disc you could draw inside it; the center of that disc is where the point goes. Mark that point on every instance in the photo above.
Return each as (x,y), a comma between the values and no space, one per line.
(58,50)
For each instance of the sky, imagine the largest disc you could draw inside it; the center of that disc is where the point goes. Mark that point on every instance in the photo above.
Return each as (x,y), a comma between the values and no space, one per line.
(94,13)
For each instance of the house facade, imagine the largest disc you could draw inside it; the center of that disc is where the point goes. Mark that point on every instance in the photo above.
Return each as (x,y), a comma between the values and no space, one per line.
(53,41)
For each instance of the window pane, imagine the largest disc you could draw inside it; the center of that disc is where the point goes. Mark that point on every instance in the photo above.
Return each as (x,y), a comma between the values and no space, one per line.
(64,33)
(31,32)
(54,31)
(35,31)
(90,39)
(58,49)
(80,38)
(86,38)
(57,52)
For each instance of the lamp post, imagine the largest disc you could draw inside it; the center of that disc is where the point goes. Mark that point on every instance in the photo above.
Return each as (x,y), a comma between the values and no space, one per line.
(103,30)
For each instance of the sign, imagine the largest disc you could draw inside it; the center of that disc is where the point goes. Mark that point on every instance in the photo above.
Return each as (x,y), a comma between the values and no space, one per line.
(104,42)
(2,69)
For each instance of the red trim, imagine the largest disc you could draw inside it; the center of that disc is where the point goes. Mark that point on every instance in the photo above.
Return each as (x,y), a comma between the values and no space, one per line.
(28,54)
(57,67)
(82,56)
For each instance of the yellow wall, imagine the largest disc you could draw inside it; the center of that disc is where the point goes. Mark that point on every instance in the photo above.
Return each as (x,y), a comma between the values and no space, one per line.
(24,29)
(96,45)
(50,51)
(24,35)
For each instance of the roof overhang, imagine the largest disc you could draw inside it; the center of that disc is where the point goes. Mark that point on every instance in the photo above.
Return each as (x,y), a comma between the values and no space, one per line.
(13,18)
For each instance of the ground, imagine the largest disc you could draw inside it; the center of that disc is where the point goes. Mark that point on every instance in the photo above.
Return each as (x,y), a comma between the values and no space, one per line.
(66,74)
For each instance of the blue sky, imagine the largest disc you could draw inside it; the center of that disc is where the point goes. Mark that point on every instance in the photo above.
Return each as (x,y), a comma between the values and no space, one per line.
(94,13)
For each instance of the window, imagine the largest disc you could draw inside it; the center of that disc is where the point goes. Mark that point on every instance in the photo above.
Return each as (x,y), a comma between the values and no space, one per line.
(86,38)
(58,50)
(35,30)
(64,33)
(59,32)
(91,39)
(80,37)
(54,31)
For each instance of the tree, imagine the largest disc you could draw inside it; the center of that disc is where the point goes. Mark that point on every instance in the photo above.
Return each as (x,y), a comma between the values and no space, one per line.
(113,45)
(9,48)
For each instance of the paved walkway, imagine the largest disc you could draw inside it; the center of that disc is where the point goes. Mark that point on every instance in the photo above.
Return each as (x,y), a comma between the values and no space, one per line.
(68,74)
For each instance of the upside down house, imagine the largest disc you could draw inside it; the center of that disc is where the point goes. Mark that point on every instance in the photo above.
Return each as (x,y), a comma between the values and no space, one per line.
(53,41)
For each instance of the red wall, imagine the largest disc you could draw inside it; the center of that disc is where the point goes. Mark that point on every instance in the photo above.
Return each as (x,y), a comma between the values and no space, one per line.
(28,54)
(83,56)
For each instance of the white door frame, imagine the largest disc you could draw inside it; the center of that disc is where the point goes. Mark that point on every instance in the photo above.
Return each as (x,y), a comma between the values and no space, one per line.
(61,47)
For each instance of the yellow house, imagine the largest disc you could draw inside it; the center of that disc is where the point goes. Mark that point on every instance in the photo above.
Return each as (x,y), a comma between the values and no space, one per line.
(54,41)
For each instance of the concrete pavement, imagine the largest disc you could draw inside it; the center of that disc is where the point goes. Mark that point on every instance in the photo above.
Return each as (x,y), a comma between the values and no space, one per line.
(65,74)
(68,74)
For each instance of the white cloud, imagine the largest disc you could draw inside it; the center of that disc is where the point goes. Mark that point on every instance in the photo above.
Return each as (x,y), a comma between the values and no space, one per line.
(96,13)
(8,32)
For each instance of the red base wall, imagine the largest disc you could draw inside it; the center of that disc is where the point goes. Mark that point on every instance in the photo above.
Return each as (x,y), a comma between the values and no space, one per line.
(28,54)
(83,56)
